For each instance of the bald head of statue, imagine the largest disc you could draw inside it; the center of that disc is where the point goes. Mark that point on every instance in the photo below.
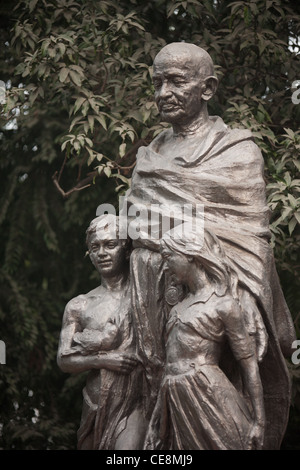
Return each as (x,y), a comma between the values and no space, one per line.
(187,55)
(184,80)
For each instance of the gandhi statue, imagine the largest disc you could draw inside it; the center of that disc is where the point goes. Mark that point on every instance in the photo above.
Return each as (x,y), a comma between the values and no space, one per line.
(200,160)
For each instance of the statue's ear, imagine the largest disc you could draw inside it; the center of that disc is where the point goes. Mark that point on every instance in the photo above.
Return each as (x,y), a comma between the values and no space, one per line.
(211,85)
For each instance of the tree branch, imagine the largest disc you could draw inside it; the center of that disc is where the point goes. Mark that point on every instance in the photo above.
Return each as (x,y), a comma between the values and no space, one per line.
(83,184)
(86,182)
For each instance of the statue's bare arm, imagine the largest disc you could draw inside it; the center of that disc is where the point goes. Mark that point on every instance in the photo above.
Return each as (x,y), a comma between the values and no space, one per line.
(244,353)
(71,360)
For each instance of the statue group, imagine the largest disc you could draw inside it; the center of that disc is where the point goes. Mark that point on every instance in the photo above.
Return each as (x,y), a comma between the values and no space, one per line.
(185,338)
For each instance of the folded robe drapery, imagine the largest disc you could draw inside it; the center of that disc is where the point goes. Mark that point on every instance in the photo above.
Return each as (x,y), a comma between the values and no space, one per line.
(225,175)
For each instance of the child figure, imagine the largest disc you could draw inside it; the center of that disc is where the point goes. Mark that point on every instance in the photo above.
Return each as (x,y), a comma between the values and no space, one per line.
(97,336)
(198,407)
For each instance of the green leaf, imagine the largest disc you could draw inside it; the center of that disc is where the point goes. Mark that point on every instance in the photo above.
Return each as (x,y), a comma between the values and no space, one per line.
(92,156)
(287,178)
(63,74)
(247,15)
(297,216)
(118,188)
(101,119)
(75,121)
(123,178)
(122,149)
(107,171)
(294,203)
(292,225)
(78,103)
(89,141)
(286,211)
(61,47)
(91,120)
(290,133)
(296,183)
(32,5)
(75,77)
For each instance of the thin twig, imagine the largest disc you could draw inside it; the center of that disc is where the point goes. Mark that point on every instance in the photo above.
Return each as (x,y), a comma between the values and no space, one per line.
(62,168)
(79,187)
(86,182)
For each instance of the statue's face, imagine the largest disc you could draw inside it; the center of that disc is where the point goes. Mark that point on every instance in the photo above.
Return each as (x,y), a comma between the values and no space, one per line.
(107,254)
(177,263)
(178,87)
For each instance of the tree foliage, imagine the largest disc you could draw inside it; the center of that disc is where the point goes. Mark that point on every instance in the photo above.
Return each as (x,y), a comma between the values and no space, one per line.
(78,104)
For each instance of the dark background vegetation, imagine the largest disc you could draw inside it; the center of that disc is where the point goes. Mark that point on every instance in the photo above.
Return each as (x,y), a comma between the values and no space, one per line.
(79,103)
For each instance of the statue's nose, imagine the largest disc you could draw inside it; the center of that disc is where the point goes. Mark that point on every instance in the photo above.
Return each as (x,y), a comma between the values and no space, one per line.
(164,90)
(101,251)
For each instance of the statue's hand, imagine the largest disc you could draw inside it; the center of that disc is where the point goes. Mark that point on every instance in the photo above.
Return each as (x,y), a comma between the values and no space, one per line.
(256,436)
(120,362)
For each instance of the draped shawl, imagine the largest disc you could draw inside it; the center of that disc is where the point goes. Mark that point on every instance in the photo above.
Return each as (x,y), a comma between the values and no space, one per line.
(225,175)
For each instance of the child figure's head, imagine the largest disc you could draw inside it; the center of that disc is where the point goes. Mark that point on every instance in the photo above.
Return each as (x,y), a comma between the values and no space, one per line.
(183,245)
(108,253)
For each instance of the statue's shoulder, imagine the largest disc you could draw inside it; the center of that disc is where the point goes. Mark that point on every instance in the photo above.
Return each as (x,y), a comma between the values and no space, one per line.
(233,138)
(228,308)
(77,304)
(154,146)
(242,135)
(244,143)
(161,138)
